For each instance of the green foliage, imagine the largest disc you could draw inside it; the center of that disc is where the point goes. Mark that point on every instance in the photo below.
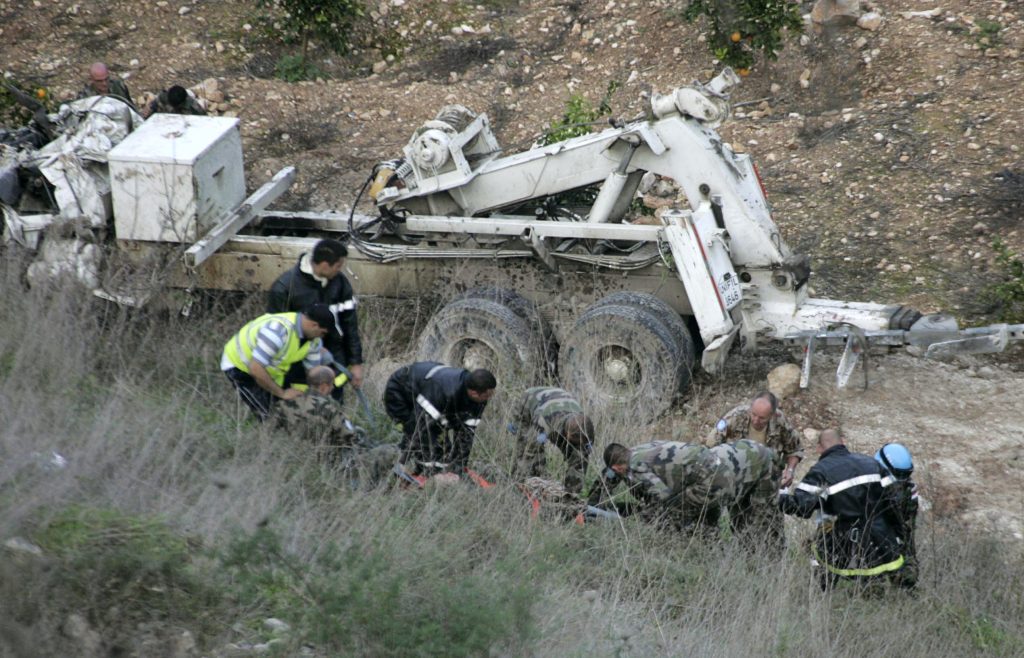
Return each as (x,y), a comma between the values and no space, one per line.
(742,28)
(579,116)
(293,68)
(331,23)
(1008,294)
(363,597)
(123,565)
(989,33)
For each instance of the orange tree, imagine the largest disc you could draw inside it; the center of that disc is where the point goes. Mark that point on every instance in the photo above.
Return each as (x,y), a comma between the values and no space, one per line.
(741,28)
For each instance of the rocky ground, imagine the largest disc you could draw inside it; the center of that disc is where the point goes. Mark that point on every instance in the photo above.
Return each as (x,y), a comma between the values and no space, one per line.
(891,154)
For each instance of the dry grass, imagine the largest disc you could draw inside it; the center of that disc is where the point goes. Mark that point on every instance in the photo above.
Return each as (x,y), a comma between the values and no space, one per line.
(175,509)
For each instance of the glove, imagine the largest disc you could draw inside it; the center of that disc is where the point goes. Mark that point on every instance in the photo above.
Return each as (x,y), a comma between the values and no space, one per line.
(542,438)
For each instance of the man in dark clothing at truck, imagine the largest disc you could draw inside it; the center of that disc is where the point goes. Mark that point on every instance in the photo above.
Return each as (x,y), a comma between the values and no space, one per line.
(317,279)
(858,533)
(439,408)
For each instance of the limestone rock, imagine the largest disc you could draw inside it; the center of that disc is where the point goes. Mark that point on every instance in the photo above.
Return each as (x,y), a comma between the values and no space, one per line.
(870,21)
(784,381)
(78,629)
(835,12)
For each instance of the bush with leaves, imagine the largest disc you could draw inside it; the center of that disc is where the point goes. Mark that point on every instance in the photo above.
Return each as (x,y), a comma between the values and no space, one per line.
(331,23)
(579,116)
(1007,296)
(741,28)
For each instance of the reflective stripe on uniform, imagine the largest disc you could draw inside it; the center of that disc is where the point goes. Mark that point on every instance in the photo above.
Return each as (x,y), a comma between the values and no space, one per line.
(433,371)
(809,488)
(434,464)
(871,478)
(473,422)
(871,571)
(343,306)
(427,406)
(824,493)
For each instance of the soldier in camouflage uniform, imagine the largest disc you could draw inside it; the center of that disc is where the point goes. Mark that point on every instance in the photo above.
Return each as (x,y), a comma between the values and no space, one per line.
(318,418)
(668,478)
(693,483)
(550,415)
(762,421)
(101,83)
(175,100)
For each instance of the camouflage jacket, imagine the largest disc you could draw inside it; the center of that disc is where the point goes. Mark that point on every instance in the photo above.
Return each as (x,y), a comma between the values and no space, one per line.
(741,467)
(780,435)
(540,420)
(116,86)
(316,418)
(545,407)
(671,472)
(162,105)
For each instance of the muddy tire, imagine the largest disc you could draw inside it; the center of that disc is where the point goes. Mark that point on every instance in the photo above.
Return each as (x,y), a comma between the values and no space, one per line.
(480,333)
(621,359)
(526,310)
(668,316)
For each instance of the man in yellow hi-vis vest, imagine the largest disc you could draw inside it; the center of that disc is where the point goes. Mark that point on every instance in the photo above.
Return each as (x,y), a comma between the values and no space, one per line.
(258,356)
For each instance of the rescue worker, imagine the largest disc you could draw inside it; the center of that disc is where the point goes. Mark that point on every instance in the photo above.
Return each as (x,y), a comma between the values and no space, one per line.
(258,356)
(101,83)
(433,401)
(693,483)
(762,421)
(174,100)
(318,418)
(548,415)
(858,536)
(317,279)
(898,464)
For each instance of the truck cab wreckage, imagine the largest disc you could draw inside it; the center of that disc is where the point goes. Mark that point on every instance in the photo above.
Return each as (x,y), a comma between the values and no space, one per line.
(543,272)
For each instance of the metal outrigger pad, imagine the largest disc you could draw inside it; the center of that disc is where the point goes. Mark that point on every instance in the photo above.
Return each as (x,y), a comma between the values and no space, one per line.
(856,349)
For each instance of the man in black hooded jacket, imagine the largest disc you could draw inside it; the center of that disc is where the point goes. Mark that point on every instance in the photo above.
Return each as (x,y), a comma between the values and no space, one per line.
(317,279)
(439,408)
(858,532)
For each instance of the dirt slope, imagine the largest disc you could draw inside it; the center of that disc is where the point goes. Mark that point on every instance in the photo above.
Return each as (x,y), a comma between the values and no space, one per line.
(894,167)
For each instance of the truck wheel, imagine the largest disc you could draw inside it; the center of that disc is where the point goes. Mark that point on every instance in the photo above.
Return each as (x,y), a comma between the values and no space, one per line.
(480,333)
(526,310)
(675,324)
(622,359)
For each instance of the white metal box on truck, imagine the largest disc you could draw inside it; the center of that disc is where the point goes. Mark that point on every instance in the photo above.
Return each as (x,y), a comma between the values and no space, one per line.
(175,176)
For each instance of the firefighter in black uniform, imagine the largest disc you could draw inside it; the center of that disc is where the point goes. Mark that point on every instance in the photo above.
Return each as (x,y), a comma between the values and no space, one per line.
(858,532)
(897,462)
(439,408)
(317,279)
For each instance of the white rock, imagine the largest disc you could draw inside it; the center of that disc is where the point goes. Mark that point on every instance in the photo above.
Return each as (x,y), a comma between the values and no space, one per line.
(19,545)
(380,67)
(276,625)
(784,381)
(878,137)
(870,21)
(184,10)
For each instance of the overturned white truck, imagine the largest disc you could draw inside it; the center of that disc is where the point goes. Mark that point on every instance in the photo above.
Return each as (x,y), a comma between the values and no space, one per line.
(542,269)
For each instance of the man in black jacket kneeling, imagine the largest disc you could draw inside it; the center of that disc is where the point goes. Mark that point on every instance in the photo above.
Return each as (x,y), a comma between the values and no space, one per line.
(858,531)
(317,279)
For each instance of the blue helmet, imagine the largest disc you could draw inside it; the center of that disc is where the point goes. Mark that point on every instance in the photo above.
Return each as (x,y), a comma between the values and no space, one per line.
(895,458)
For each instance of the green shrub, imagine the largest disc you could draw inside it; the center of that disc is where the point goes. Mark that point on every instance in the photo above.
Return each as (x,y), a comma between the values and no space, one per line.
(742,28)
(364,600)
(125,569)
(1007,296)
(293,68)
(579,116)
(331,23)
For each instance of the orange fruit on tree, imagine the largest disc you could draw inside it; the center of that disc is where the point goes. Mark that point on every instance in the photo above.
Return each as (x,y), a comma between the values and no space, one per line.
(40,93)
(743,72)
(735,36)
